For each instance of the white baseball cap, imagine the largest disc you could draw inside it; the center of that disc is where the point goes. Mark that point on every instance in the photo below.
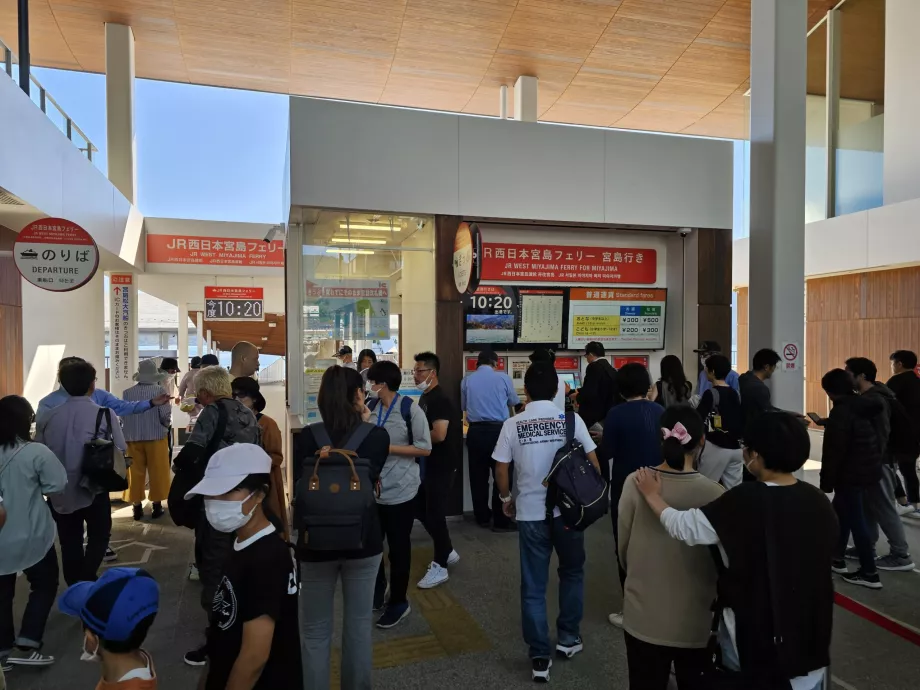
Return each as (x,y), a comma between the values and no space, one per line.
(229,466)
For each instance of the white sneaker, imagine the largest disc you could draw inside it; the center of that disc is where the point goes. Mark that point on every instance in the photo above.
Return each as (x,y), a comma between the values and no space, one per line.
(193,572)
(913,513)
(616,619)
(454,558)
(31,657)
(110,556)
(904,510)
(435,576)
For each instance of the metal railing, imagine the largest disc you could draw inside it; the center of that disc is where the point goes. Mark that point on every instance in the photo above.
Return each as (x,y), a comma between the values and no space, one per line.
(276,372)
(49,106)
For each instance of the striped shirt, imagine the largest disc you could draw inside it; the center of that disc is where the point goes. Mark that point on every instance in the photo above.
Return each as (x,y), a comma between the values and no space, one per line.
(151,425)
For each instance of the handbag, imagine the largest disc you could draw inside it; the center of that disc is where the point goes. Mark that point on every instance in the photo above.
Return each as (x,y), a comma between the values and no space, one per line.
(717,677)
(104,464)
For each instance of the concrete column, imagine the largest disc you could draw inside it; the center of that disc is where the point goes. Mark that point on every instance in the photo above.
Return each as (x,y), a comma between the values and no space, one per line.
(199,333)
(182,339)
(208,343)
(525,99)
(57,325)
(777,276)
(119,107)
(123,347)
(902,101)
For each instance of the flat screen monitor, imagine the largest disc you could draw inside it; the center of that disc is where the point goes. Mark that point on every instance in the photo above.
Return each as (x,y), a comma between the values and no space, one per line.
(571,378)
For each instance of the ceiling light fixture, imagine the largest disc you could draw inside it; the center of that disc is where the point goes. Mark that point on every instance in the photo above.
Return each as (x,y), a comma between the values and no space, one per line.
(336,250)
(354,240)
(365,226)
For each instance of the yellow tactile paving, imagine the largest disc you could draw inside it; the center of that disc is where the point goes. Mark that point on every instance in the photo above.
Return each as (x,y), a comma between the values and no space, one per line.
(453,630)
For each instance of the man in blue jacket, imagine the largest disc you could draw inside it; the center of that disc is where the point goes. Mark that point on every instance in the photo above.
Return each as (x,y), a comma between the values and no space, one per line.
(100,397)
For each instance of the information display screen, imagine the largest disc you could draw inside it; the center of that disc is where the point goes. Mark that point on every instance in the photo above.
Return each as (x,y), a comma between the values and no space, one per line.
(541,316)
(490,315)
(619,319)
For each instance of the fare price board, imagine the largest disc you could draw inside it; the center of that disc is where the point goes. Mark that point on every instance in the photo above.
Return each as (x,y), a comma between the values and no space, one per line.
(618,318)
(233,304)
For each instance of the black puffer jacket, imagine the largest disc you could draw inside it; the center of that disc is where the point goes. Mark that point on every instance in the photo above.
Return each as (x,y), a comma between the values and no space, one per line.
(852,452)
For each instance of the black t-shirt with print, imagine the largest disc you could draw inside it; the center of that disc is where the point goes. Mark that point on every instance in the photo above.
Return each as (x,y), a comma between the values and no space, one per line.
(259,580)
(436,405)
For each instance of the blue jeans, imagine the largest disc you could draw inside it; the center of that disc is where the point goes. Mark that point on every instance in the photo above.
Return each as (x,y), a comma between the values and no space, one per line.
(537,541)
(849,503)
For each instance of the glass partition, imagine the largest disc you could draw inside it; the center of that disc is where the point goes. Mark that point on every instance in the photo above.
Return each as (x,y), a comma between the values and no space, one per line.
(369,285)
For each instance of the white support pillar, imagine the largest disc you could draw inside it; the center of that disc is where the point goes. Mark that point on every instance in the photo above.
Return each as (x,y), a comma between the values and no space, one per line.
(777,276)
(182,338)
(199,333)
(503,101)
(209,344)
(525,99)
(902,101)
(119,108)
(57,325)
(123,346)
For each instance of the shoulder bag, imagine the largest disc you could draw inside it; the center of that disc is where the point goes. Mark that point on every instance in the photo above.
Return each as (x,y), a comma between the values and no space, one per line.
(104,465)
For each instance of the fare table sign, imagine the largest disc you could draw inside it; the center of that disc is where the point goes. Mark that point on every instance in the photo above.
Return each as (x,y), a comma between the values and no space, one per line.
(618,318)
(233,303)
(56,254)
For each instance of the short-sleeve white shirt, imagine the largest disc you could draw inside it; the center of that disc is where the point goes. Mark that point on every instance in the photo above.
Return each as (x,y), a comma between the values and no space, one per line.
(531,440)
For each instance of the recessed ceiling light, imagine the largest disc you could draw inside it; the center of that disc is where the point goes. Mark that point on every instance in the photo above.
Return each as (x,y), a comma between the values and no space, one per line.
(264,337)
(272,324)
(366,226)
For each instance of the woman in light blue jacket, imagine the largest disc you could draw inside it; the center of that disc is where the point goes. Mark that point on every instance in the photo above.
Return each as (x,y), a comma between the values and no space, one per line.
(28,472)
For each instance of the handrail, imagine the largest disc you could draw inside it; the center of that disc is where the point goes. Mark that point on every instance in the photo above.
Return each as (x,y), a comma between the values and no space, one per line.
(43,99)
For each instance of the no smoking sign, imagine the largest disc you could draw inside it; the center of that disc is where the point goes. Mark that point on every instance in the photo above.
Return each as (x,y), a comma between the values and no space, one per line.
(791,355)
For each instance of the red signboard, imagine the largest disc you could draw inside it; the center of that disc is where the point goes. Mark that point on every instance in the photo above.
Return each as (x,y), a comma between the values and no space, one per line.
(566,364)
(563,264)
(630,359)
(471,364)
(121,279)
(214,251)
(222,292)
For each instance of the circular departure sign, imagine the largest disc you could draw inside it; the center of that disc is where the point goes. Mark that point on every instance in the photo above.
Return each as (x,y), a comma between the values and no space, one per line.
(56,254)
(467,249)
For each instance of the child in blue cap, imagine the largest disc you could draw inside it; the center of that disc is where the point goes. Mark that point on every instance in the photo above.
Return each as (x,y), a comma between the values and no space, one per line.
(117,611)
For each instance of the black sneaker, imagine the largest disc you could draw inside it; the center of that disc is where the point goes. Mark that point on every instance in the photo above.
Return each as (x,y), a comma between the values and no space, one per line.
(110,555)
(158,511)
(394,615)
(570,649)
(5,665)
(540,670)
(863,580)
(138,511)
(197,657)
(840,567)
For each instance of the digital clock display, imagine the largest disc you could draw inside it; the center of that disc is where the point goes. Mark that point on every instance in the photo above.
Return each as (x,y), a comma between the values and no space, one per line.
(234,310)
(490,314)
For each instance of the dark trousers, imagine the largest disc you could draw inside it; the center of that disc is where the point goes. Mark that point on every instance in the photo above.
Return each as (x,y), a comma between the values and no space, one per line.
(396,522)
(81,564)
(908,466)
(650,665)
(480,444)
(616,490)
(431,511)
(43,585)
(849,504)
(212,549)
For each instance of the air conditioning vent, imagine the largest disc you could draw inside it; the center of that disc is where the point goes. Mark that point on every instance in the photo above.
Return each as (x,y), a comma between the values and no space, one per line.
(7,199)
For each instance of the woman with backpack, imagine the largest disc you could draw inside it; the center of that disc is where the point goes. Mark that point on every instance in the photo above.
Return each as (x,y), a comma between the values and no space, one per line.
(670,586)
(410,439)
(341,405)
(720,409)
(673,388)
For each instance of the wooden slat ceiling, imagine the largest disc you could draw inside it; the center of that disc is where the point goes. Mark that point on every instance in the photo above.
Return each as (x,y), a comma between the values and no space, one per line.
(226,334)
(662,65)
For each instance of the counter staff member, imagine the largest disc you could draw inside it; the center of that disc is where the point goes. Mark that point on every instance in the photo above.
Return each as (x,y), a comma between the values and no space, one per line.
(345,355)
(487,398)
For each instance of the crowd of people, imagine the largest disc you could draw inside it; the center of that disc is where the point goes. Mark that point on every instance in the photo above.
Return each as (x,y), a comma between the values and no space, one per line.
(685,466)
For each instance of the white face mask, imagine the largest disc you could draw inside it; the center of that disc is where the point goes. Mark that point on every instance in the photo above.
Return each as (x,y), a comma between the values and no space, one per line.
(227,516)
(86,656)
(371,393)
(423,386)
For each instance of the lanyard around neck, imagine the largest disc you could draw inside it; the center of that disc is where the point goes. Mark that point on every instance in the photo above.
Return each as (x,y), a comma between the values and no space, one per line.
(389,409)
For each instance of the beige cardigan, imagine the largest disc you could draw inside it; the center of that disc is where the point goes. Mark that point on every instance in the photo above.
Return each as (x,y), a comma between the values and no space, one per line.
(670,586)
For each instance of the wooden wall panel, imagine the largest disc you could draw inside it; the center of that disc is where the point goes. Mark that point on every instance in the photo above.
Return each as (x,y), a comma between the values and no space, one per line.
(10,319)
(860,315)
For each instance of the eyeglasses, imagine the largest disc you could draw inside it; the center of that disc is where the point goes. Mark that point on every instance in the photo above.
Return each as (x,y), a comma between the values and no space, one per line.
(421,371)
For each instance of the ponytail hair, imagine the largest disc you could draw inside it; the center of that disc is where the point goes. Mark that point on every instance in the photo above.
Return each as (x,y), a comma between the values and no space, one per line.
(682,429)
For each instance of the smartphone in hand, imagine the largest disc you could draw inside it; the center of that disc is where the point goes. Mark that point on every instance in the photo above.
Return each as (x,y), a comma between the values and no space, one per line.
(813,416)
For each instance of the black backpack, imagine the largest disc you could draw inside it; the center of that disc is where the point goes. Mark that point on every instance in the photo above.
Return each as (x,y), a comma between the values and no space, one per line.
(336,500)
(574,485)
(189,470)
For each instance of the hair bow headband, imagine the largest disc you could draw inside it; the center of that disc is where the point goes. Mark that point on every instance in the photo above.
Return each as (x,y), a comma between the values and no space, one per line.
(679,432)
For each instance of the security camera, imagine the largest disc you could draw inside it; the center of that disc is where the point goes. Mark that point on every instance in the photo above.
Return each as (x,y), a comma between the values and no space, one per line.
(683,232)
(270,235)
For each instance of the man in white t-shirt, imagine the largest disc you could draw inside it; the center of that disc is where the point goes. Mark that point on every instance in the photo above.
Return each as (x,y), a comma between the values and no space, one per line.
(531,440)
